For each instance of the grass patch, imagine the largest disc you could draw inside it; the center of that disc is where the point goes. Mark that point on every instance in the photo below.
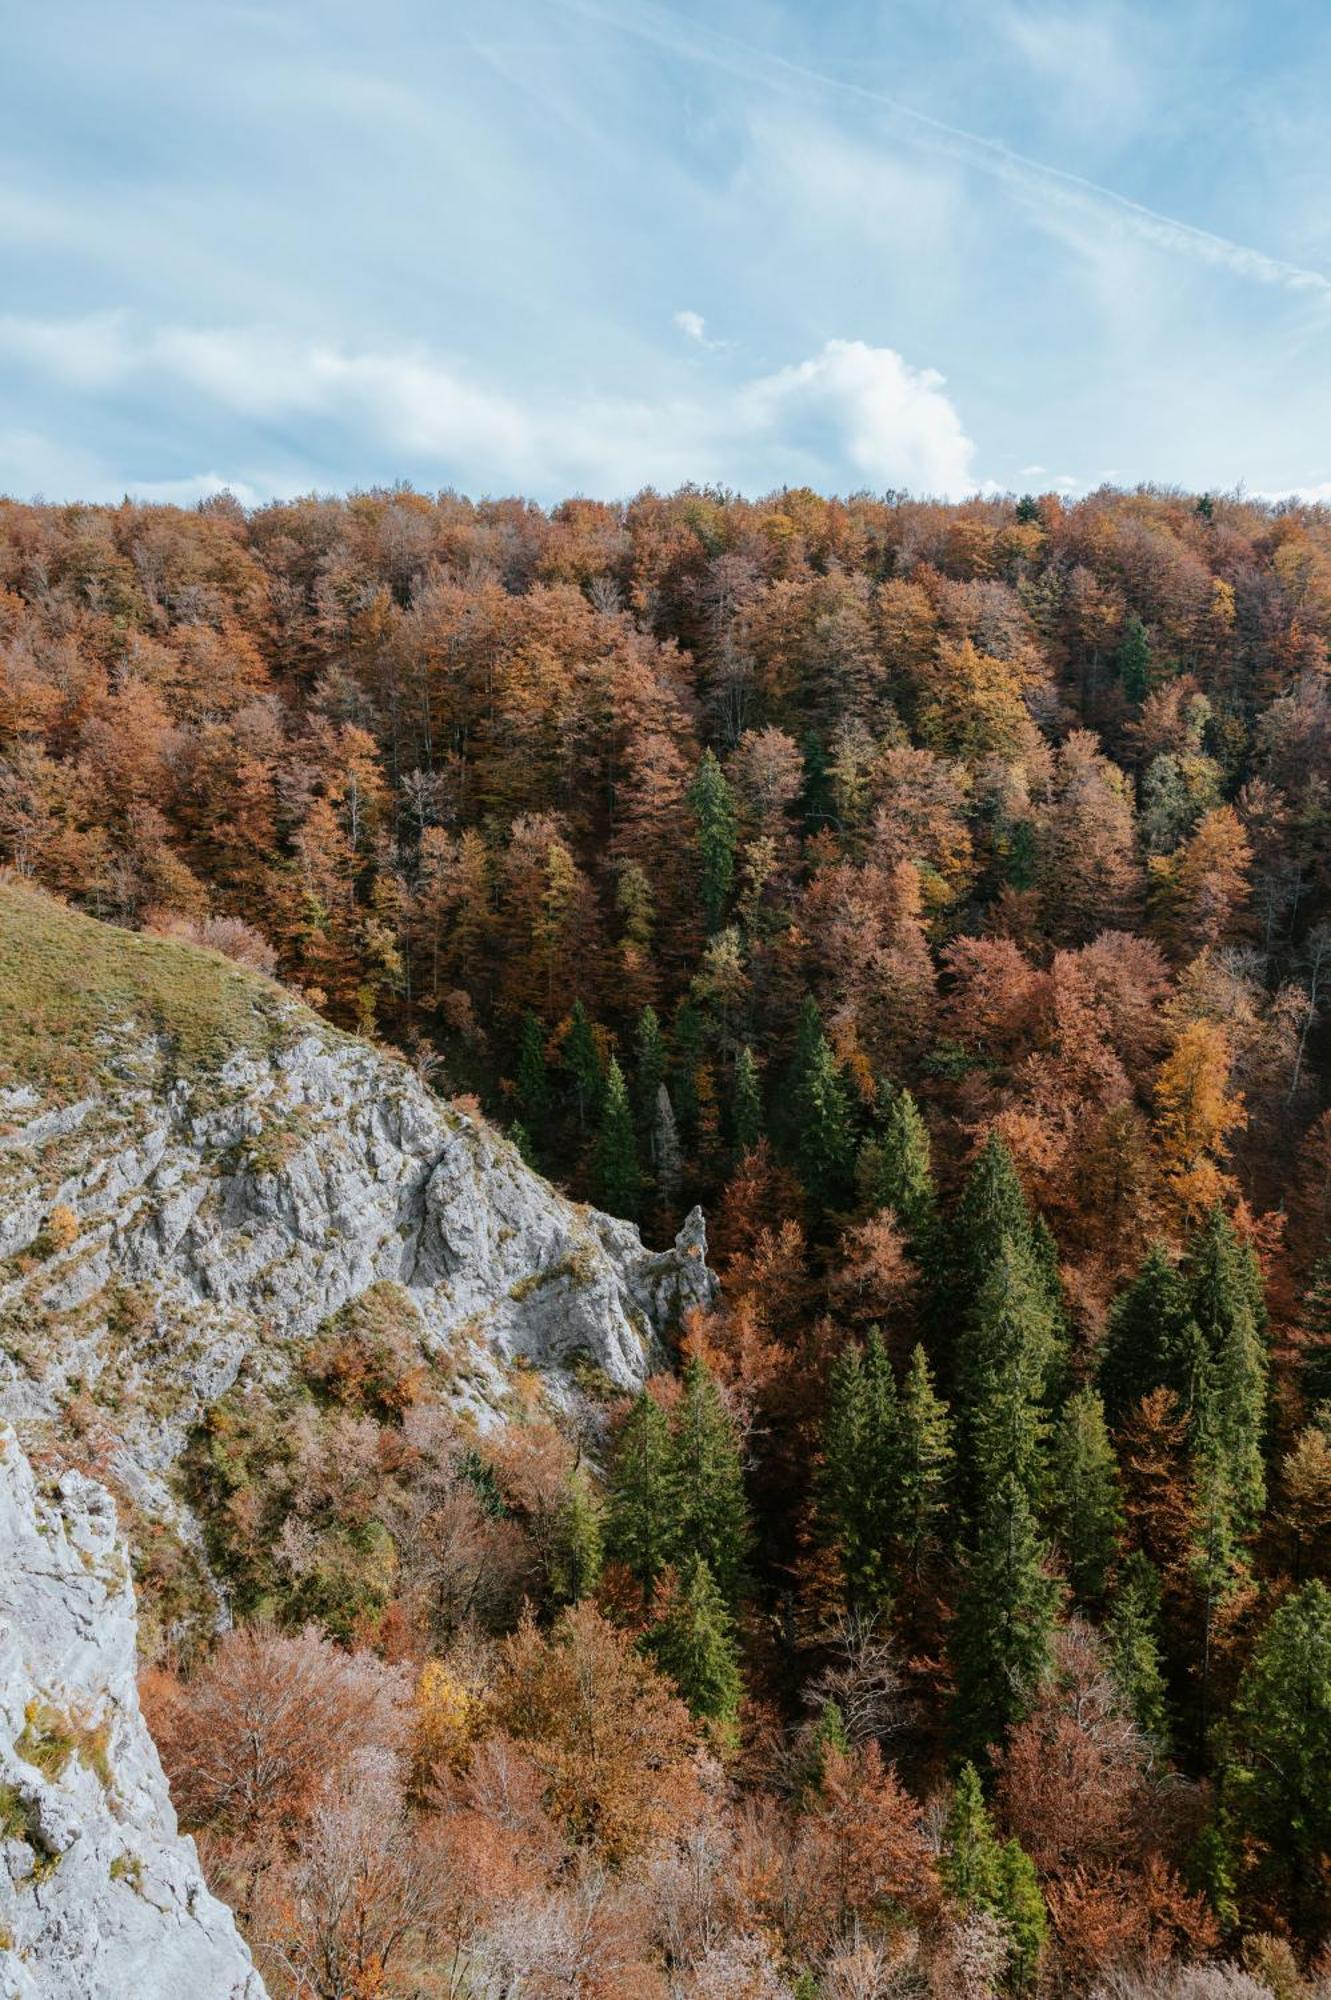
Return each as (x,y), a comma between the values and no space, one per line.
(50,1739)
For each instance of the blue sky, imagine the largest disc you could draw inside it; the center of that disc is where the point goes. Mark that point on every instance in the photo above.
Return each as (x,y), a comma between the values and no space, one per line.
(558,246)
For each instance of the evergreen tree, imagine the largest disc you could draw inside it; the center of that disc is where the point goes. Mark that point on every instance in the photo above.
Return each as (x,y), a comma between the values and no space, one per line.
(1315,1324)
(706,1482)
(826,1734)
(667,1158)
(582,1061)
(687,1054)
(747,1104)
(1228,1306)
(640,1526)
(712,805)
(861,1466)
(575,1560)
(1087,1513)
(1279,1755)
(992,1207)
(1005,1618)
(1133,660)
(1021,1910)
(1003,1362)
(649,1068)
(532,1081)
(821,1115)
(1134,1648)
(617,1178)
(1153,1341)
(924,1458)
(970,1867)
(904,1180)
(693,1639)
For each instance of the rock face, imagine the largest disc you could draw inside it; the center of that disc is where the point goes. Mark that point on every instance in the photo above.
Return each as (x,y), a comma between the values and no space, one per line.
(163,1222)
(100,1897)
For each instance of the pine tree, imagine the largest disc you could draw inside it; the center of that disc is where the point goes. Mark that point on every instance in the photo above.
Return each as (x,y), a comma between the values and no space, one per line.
(747,1104)
(640,1526)
(582,1061)
(667,1157)
(971,1864)
(712,805)
(532,1081)
(924,1457)
(1279,1754)
(649,1069)
(861,1469)
(1133,660)
(706,1482)
(1227,1304)
(1087,1512)
(821,1116)
(617,1177)
(693,1639)
(904,1180)
(1153,1341)
(1003,1362)
(1005,1618)
(1021,1911)
(992,1207)
(1134,1648)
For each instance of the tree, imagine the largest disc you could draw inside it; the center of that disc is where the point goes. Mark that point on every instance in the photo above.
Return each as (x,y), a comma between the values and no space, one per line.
(820,1114)
(1153,1341)
(1228,1306)
(532,1082)
(861,1468)
(712,805)
(903,1180)
(1134,1648)
(706,1482)
(1194,1116)
(1086,1510)
(980,1872)
(1279,1752)
(649,1070)
(1133,661)
(667,1158)
(692,1638)
(992,1208)
(1005,1617)
(582,1061)
(1004,1357)
(924,1462)
(640,1528)
(617,1178)
(747,1103)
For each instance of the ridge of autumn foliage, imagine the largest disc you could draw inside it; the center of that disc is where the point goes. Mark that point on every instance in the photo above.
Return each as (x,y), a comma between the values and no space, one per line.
(939,894)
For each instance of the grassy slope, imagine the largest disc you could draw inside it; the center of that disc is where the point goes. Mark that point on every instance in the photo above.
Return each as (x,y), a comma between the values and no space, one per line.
(68,982)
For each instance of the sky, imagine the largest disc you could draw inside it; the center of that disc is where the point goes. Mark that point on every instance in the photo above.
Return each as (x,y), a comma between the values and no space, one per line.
(584,246)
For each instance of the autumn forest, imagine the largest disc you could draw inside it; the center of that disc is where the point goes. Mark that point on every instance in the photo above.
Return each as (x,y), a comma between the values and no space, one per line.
(939,896)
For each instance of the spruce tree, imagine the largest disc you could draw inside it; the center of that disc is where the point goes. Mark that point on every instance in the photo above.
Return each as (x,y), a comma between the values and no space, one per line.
(1227,1304)
(575,1558)
(1133,660)
(1005,1618)
(904,1180)
(706,1482)
(532,1081)
(992,1207)
(747,1103)
(582,1061)
(1134,1648)
(667,1157)
(1087,1512)
(1153,1340)
(1021,1911)
(617,1177)
(640,1526)
(820,1112)
(693,1639)
(649,1065)
(861,1469)
(712,805)
(1004,1357)
(924,1461)
(970,1867)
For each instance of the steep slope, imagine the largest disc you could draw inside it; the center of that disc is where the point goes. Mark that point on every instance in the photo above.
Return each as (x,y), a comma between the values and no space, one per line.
(100,1898)
(196,1172)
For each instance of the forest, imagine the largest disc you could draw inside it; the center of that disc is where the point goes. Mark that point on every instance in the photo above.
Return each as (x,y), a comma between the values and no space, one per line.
(939,895)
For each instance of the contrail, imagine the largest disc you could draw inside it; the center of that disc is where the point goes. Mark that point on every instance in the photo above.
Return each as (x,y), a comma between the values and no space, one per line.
(724,52)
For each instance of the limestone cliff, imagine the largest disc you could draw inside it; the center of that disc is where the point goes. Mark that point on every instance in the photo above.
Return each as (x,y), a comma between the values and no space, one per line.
(100,1897)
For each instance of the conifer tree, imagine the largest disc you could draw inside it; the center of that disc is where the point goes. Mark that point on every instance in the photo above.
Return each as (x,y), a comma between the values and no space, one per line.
(693,1639)
(1005,1618)
(992,1207)
(712,805)
(747,1103)
(1003,1362)
(1227,1304)
(970,1866)
(924,1458)
(617,1177)
(582,1060)
(532,1081)
(861,1468)
(821,1115)
(903,1180)
(1153,1341)
(667,1157)
(1133,660)
(1087,1512)
(575,1559)
(640,1527)
(708,1511)
(649,1067)
(1134,1648)
(1021,1910)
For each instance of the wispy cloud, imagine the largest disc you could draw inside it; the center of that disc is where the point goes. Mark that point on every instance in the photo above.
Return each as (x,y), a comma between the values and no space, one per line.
(1034,179)
(850,406)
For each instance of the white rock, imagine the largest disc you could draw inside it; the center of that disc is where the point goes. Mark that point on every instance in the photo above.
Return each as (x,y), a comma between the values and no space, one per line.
(100,1897)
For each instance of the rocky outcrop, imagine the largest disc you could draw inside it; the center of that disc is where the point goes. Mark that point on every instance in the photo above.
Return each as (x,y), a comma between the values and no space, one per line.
(100,1897)
(163,1221)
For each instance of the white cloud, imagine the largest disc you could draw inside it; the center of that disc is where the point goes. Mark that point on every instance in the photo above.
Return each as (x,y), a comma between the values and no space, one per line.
(692,325)
(851,413)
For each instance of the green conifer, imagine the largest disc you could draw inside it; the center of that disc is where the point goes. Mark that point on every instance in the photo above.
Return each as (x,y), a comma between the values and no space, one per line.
(706,1482)
(617,1177)
(1133,660)
(747,1103)
(1153,1340)
(924,1461)
(649,1068)
(712,805)
(693,1639)
(1134,1648)
(1005,1618)
(640,1525)
(1086,1511)
(582,1061)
